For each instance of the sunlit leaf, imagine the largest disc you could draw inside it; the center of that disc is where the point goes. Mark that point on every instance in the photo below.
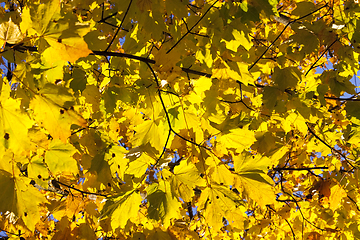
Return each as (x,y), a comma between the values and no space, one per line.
(10,33)
(59,157)
(184,179)
(251,171)
(122,207)
(218,202)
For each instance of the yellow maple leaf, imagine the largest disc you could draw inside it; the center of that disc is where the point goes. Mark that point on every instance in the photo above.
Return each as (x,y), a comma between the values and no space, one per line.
(14,124)
(20,198)
(55,119)
(337,194)
(239,139)
(218,202)
(184,179)
(59,157)
(122,207)
(252,178)
(68,49)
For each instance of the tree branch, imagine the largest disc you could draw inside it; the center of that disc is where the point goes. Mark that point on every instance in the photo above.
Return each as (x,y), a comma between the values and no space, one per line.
(344,99)
(328,47)
(78,190)
(118,29)
(298,169)
(241,98)
(166,113)
(168,118)
(353,201)
(292,231)
(326,144)
(189,30)
(288,24)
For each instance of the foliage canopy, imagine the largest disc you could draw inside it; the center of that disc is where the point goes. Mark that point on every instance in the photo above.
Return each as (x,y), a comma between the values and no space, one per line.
(154,119)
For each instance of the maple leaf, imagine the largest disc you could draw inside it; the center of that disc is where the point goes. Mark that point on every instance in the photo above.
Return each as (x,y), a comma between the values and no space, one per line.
(204,119)
(184,179)
(50,112)
(122,207)
(43,20)
(59,157)
(218,202)
(10,33)
(21,199)
(253,179)
(14,123)
(163,205)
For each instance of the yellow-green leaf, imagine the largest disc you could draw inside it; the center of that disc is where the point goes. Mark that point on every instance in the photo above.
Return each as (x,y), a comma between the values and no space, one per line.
(238,138)
(59,157)
(121,208)
(253,179)
(218,202)
(184,179)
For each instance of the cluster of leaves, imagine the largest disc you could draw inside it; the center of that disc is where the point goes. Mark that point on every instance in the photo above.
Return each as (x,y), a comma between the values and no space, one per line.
(154,119)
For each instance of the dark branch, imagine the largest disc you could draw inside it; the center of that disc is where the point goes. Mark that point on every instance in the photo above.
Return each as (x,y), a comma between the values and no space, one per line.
(352,200)
(78,190)
(166,113)
(344,99)
(118,29)
(117,54)
(288,24)
(299,169)
(168,119)
(189,30)
(326,144)
(296,202)
(292,231)
(241,99)
(313,65)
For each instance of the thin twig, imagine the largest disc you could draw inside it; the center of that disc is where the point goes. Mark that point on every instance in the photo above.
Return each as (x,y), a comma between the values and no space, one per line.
(299,169)
(288,24)
(78,190)
(117,54)
(189,30)
(197,34)
(168,119)
(292,231)
(328,47)
(166,113)
(326,144)
(352,200)
(344,99)
(296,203)
(118,29)
(241,98)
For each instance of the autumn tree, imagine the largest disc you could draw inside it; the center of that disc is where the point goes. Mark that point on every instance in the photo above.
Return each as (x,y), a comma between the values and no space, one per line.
(176,119)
